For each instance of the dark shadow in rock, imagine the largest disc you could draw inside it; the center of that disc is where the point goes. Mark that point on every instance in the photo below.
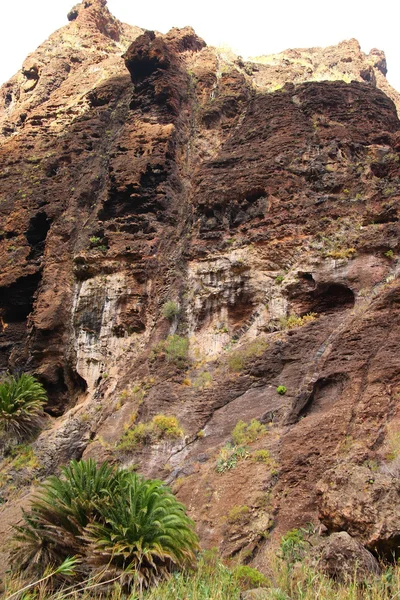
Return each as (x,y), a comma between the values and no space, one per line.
(36,234)
(16,303)
(326,391)
(322,298)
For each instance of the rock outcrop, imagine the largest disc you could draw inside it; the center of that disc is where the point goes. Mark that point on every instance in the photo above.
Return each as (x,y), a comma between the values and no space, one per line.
(365,504)
(261,199)
(343,558)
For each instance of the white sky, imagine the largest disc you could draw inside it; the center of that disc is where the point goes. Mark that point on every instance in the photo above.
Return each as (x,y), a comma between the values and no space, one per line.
(251,27)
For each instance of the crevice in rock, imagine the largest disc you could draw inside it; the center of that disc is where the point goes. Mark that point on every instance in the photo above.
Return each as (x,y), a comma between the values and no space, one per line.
(322,298)
(16,302)
(324,394)
(387,550)
(380,169)
(240,310)
(36,234)
(135,199)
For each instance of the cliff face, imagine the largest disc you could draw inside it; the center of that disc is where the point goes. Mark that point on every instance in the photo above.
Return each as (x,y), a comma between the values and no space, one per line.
(247,196)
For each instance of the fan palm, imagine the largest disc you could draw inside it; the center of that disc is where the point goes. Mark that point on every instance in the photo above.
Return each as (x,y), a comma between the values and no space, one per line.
(60,511)
(144,532)
(21,404)
(114,521)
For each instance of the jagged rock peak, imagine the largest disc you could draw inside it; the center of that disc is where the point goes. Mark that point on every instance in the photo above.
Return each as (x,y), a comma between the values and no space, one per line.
(344,61)
(149,52)
(94,15)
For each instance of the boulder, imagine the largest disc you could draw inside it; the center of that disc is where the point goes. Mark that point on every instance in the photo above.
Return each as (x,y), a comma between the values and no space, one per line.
(342,557)
(364,503)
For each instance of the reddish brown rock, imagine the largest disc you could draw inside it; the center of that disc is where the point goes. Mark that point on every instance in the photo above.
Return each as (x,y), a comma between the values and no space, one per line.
(363,503)
(343,558)
(178,173)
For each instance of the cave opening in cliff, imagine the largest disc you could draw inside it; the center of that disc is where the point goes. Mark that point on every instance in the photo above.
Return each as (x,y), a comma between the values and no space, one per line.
(331,297)
(36,234)
(17,300)
(63,387)
(387,550)
(16,303)
(328,297)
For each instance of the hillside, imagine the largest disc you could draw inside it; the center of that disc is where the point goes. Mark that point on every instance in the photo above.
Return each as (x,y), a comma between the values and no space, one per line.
(182,232)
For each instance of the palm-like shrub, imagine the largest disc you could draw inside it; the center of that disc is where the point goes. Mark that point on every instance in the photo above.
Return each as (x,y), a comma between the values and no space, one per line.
(60,511)
(113,521)
(144,532)
(21,404)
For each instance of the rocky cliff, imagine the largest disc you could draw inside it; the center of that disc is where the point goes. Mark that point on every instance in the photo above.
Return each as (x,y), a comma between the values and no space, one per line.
(182,233)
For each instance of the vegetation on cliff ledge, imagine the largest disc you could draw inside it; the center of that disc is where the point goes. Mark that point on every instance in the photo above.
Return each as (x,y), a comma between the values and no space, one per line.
(21,404)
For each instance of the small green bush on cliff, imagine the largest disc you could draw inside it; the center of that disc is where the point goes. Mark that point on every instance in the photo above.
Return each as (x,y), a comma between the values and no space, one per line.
(175,348)
(293,546)
(246,433)
(170,310)
(242,356)
(249,578)
(293,321)
(115,522)
(238,514)
(160,427)
(229,456)
(21,404)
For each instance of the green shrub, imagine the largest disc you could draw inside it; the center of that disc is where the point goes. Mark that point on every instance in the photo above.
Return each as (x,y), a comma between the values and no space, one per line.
(22,457)
(176,349)
(167,426)
(238,514)
(279,279)
(203,380)
(212,580)
(17,468)
(341,253)
(281,389)
(229,456)
(246,433)
(21,404)
(160,427)
(240,357)
(393,441)
(113,521)
(293,546)
(170,310)
(249,578)
(293,321)
(96,243)
(262,456)
(94,240)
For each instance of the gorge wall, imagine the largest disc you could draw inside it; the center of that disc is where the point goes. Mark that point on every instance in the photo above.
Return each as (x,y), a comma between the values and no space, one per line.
(261,198)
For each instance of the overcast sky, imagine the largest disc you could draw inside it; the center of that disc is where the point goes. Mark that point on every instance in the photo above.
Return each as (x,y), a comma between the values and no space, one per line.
(255,27)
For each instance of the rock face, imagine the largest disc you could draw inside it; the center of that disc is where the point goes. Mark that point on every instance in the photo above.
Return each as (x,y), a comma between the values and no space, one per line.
(140,169)
(345,61)
(365,504)
(343,558)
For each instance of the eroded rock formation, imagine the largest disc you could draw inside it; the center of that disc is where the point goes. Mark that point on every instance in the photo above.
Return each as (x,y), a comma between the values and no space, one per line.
(139,169)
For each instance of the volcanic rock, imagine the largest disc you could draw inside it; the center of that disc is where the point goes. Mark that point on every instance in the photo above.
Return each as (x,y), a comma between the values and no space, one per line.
(344,558)
(261,199)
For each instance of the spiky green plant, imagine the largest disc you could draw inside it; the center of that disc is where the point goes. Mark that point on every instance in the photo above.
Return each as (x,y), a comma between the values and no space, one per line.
(21,404)
(60,511)
(144,531)
(113,521)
